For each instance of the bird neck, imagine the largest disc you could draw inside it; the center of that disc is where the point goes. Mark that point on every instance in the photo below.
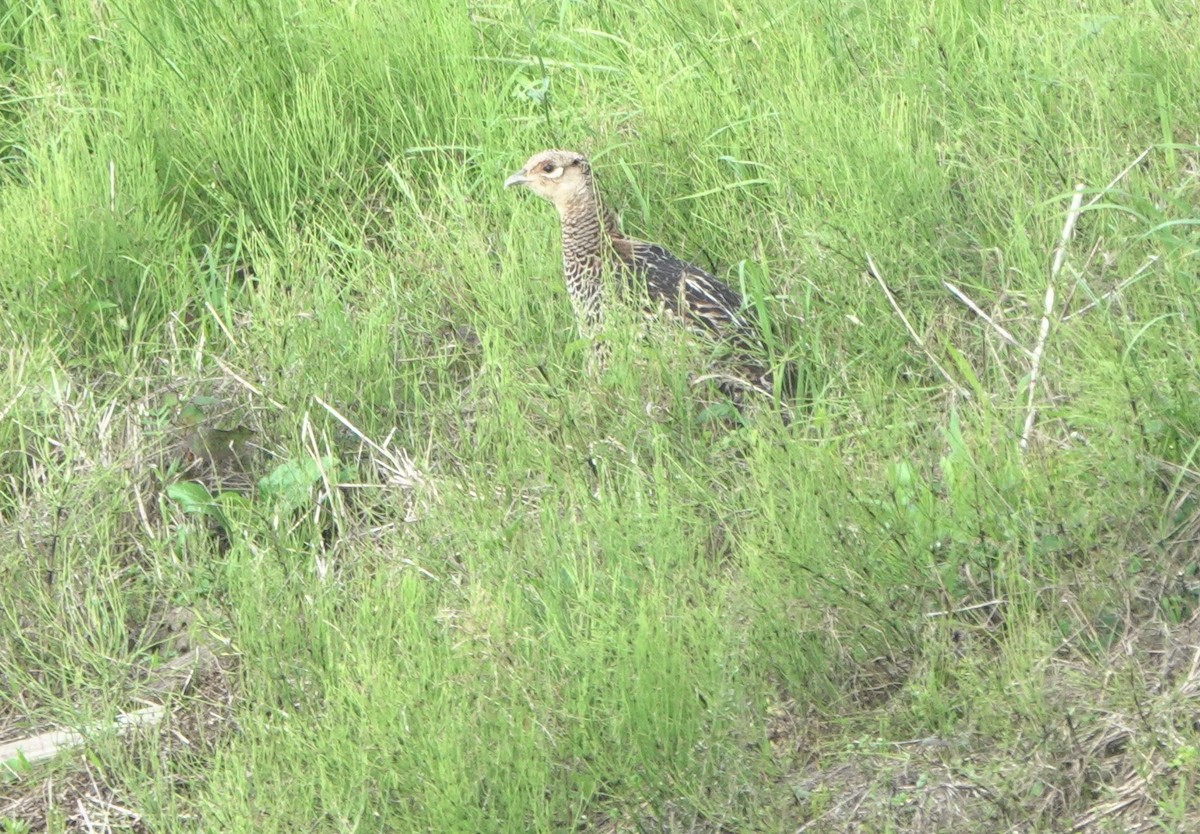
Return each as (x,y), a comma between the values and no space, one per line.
(585,220)
(588,232)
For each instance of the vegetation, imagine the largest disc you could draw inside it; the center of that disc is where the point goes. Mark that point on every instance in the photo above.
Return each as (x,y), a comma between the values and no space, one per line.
(290,391)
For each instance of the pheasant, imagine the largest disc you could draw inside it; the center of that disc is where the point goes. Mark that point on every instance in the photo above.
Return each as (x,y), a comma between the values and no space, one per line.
(592,244)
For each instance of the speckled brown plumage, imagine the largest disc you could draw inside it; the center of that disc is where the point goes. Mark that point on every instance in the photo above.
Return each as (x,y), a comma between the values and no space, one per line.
(592,243)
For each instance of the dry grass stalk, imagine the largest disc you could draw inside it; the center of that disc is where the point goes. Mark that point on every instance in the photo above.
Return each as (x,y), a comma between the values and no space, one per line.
(974,308)
(1039,349)
(1146,264)
(964,393)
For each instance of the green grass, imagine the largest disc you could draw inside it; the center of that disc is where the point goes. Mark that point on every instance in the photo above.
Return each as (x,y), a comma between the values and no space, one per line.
(522,596)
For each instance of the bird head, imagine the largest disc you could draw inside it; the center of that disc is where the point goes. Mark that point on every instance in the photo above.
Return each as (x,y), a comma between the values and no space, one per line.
(558,176)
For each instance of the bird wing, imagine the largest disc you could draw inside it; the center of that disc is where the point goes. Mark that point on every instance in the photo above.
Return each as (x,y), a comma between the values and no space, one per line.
(689,292)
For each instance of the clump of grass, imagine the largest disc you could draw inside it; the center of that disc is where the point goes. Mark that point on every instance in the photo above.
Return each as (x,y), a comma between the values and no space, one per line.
(277,352)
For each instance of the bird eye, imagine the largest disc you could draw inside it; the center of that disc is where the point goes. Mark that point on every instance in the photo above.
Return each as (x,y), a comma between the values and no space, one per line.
(548,167)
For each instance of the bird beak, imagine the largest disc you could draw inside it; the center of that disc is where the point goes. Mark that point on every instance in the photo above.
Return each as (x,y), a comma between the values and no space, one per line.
(516,179)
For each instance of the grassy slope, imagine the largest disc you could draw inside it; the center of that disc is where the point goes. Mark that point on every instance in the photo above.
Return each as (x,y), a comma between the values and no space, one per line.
(706,627)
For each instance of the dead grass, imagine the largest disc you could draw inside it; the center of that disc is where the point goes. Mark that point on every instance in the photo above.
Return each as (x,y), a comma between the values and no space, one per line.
(190,671)
(1116,752)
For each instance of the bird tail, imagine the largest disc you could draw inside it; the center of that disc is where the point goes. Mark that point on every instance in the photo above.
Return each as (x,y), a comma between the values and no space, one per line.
(757,378)
(765,383)
(762,379)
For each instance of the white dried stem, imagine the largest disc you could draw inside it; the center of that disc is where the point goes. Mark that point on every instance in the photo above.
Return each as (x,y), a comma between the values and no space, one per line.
(964,393)
(1150,261)
(1118,178)
(974,308)
(1039,349)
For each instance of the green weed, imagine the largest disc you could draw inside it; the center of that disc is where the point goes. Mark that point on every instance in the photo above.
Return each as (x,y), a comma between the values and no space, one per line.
(277,350)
